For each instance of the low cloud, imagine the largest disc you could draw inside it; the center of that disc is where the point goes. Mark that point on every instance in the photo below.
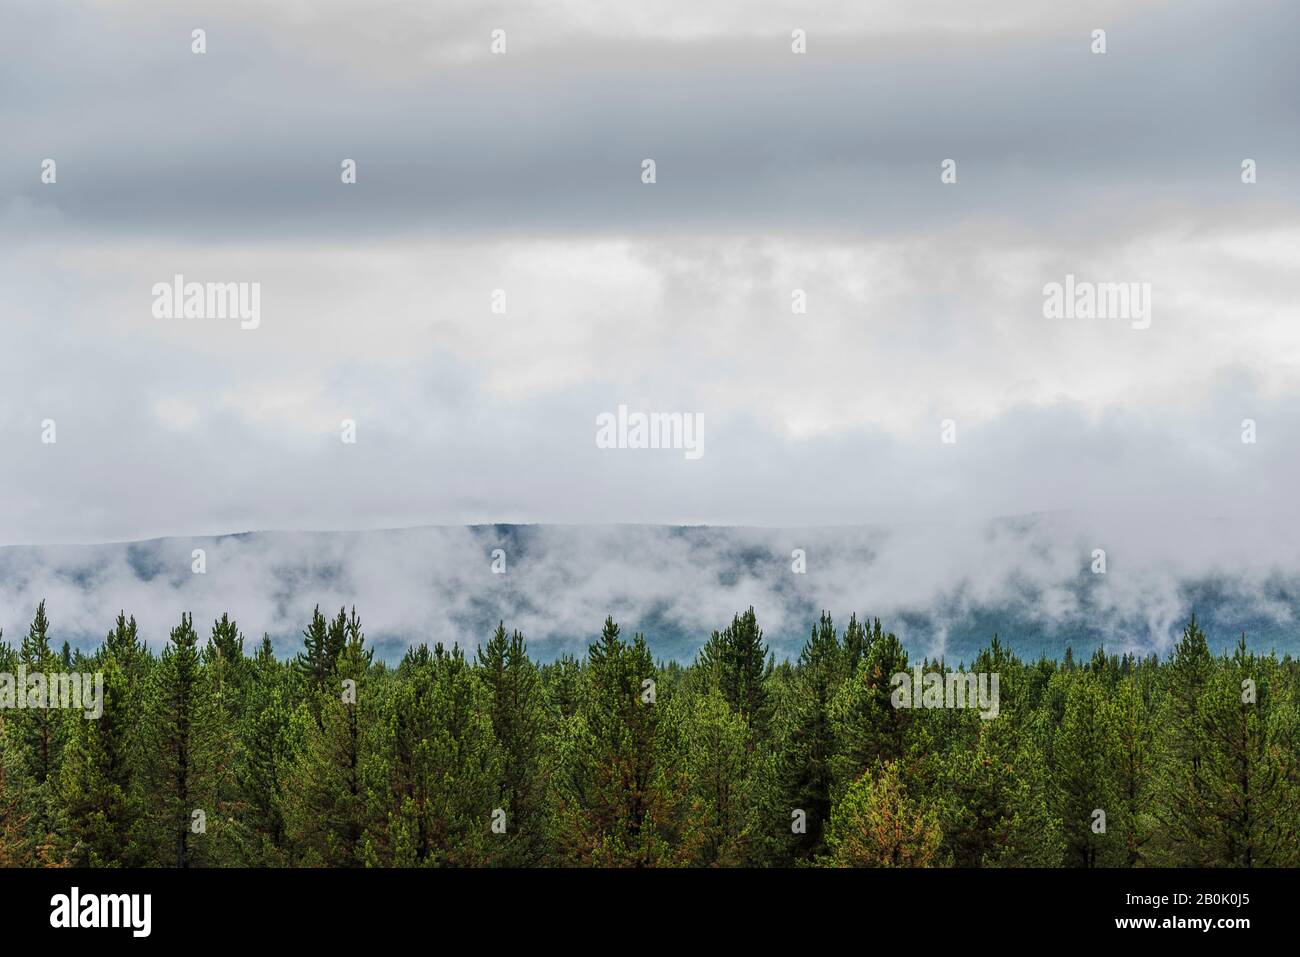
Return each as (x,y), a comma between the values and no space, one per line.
(938,586)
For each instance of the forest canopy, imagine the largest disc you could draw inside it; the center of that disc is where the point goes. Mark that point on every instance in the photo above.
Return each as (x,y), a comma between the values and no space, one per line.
(213,753)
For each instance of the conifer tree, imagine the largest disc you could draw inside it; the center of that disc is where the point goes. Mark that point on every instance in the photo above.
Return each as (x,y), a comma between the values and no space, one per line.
(176,737)
(332,759)
(617,803)
(437,791)
(562,681)
(223,686)
(734,661)
(16,842)
(329,815)
(878,825)
(1181,799)
(867,730)
(520,722)
(100,795)
(266,752)
(1135,747)
(123,644)
(315,662)
(806,775)
(857,640)
(1247,774)
(718,769)
(993,799)
(40,728)
(1084,758)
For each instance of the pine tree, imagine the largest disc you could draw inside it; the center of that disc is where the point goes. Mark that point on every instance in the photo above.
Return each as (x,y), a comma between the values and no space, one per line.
(223,686)
(315,662)
(1182,815)
(734,661)
(1135,745)
(562,681)
(100,795)
(806,775)
(718,770)
(329,816)
(878,825)
(336,636)
(39,728)
(124,646)
(1246,771)
(857,640)
(331,759)
(16,843)
(867,730)
(992,797)
(437,790)
(616,801)
(179,786)
(520,721)
(266,753)
(1085,758)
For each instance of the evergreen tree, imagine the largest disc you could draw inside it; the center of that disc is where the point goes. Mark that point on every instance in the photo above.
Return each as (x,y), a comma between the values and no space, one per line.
(867,730)
(562,681)
(1181,800)
(316,661)
(100,795)
(520,721)
(266,752)
(437,791)
(1246,772)
(734,661)
(179,785)
(806,774)
(1135,745)
(616,801)
(878,825)
(17,847)
(39,728)
(718,769)
(993,798)
(1084,761)
(329,817)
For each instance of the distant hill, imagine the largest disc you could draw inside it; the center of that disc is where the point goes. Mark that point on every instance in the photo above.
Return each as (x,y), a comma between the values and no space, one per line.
(944,590)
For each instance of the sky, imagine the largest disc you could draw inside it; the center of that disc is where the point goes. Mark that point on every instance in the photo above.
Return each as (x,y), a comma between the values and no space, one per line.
(774,172)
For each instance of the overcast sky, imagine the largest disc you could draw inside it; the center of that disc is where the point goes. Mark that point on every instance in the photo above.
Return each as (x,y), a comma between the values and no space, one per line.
(775,172)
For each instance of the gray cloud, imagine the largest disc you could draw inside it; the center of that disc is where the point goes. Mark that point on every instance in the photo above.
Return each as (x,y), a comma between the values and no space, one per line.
(938,585)
(246,141)
(775,173)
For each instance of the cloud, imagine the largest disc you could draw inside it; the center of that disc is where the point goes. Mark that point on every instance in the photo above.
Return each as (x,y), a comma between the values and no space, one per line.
(245,142)
(937,585)
(776,173)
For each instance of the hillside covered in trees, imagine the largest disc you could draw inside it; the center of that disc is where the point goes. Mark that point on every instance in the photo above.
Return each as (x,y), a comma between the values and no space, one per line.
(212,753)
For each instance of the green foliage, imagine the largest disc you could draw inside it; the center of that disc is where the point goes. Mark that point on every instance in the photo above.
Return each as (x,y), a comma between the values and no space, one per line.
(807,748)
(521,722)
(332,759)
(877,824)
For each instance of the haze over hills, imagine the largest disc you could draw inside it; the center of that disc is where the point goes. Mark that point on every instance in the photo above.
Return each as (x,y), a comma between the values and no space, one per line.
(819,295)
(944,589)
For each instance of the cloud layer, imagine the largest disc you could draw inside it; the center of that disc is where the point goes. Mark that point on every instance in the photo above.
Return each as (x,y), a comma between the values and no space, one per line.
(944,588)
(775,173)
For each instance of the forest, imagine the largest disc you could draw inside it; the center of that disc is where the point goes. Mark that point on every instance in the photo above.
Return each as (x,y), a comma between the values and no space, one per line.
(212,754)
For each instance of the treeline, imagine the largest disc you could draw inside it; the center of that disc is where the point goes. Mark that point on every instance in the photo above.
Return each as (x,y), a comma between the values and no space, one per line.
(213,754)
